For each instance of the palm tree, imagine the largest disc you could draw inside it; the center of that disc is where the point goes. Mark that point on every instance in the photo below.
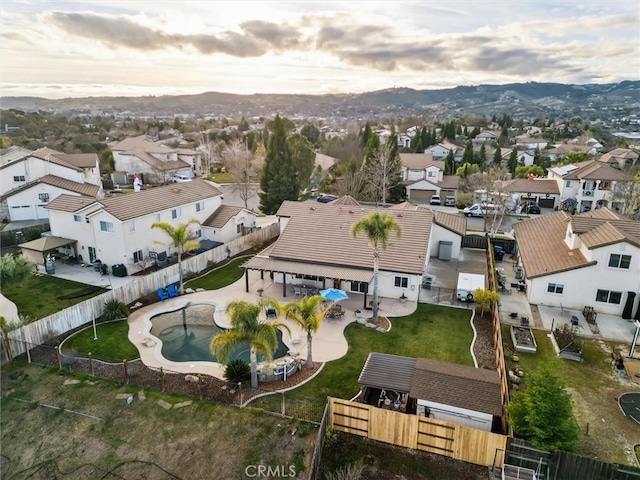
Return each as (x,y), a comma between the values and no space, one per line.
(246,327)
(306,315)
(182,239)
(377,227)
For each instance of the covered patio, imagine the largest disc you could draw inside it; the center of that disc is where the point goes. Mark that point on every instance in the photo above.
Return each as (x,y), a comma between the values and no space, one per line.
(39,249)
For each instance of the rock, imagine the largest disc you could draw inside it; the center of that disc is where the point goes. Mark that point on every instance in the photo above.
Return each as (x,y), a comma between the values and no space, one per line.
(189,290)
(515,358)
(362,321)
(122,396)
(182,404)
(200,290)
(141,396)
(520,372)
(191,378)
(71,382)
(516,387)
(371,325)
(380,329)
(165,405)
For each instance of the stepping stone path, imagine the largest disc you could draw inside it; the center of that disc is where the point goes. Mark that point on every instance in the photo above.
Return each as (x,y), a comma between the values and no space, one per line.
(91,383)
(71,382)
(141,396)
(122,396)
(163,404)
(182,404)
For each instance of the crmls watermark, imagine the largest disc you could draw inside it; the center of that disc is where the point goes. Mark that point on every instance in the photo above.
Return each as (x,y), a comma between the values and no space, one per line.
(270,471)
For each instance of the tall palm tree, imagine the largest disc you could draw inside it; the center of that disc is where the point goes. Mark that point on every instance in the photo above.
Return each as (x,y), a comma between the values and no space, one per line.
(377,227)
(306,315)
(246,327)
(182,239)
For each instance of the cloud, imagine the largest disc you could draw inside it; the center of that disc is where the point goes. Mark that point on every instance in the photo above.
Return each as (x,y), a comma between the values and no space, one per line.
(279,36)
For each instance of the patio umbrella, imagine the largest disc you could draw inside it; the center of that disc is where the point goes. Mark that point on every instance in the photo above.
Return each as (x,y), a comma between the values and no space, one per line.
(334,294)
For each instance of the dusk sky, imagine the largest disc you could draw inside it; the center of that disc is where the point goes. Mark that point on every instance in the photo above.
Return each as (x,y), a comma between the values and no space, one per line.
(60,49)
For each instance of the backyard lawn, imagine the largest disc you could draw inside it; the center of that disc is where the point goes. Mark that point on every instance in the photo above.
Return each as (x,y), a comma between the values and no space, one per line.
(594,388)
(40,296)
(112,344)
(222,177)
(220,277)
(432,331)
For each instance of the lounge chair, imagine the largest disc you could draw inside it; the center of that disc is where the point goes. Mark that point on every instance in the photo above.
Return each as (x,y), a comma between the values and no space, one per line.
(173,291)
(162,294)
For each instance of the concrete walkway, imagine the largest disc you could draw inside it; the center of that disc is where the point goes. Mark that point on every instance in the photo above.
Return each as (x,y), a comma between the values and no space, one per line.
(329,342)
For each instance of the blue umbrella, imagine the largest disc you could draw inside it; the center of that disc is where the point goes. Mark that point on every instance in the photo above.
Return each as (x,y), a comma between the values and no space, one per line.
(333,294)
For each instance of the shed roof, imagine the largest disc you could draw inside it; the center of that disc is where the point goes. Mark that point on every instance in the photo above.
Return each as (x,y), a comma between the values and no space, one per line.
(46,244)
(388,372)
(221,216)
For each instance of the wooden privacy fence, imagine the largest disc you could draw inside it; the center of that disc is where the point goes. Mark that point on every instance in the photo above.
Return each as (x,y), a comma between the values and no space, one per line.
(420,433)
(40,331)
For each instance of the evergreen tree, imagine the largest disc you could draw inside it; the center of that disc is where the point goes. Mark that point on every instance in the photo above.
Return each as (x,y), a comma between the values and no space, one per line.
(279,180)
(543,412)
(467,156)
(244,125)
(513,162)
(449,163)
(497,156)
(503,139)
(482,157)
(365,134)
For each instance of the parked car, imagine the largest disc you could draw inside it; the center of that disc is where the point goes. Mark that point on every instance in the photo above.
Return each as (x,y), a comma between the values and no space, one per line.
(180,179)
(533,208)
(449,201)
(435,200)
(327,198)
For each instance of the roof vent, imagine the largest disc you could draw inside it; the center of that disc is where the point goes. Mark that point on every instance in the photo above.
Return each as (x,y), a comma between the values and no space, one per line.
(399,215)
(312,208)
(350,211)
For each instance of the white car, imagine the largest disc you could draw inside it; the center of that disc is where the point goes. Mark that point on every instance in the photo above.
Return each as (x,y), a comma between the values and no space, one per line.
(180,179)
(435,200)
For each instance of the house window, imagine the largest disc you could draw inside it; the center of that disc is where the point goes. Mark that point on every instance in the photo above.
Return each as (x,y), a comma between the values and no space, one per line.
(608,296)
(19,178)
(199,206)
(138,256)
(555,288)
(402,282)
(198,233)
(361,287)
(43,197)
(569,184)
(239,228)
(157,217)
(106,227)
(77,218)
(86,220)
(619,261)
(132,227)
(431,174)
(176,213)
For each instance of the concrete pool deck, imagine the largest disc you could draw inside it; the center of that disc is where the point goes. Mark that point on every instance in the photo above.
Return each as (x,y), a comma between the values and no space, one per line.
(329,342)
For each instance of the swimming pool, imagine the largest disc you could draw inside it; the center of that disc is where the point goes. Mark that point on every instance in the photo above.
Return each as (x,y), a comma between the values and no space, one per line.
(186,335)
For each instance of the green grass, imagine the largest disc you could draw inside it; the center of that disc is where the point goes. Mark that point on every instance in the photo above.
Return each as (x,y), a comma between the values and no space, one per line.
(436,332)
(38,297)
(222,177)
(220,277)
(112,343)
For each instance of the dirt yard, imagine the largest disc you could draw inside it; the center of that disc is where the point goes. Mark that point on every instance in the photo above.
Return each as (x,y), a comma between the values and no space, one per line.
(98,433)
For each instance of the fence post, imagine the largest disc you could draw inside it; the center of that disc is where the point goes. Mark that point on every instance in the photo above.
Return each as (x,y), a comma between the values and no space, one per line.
(91,364)
(283,408)
(161,379)
(240,391)
(59,358)
(126,372)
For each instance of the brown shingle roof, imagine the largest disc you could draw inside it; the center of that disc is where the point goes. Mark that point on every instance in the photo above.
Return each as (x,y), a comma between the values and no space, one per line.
(595,170)
(542,247)
(71,203)
(416,161)
(457,385)
(80,160)
(221,216)
(82,188)
(533,186)
(449,181)
(322,234)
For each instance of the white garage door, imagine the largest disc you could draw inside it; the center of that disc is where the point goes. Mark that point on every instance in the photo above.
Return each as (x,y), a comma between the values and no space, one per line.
(41,211)
(22,212)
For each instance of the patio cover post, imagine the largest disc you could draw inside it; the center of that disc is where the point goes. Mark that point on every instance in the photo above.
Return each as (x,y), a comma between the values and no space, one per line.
(365,296)
(246,280)
(284,284)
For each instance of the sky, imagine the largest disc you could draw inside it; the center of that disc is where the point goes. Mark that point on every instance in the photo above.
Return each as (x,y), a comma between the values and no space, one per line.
(58,49)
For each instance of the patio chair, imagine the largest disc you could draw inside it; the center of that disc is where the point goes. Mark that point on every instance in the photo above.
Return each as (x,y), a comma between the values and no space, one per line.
(173,291)
(297,292)
(162,294)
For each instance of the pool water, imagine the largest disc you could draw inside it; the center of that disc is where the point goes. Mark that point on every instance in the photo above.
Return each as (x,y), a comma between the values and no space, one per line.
(186,335)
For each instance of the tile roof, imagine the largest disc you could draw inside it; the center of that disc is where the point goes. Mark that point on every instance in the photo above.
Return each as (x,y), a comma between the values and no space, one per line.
(146,202)
(457,385)
(260,262)
(71,203)
(13,153)
(85,189)
(221,216)
(602,226)
(542,247)
(347,200)
(454,223)
(75,161)
(321,234)
(595,170)
(163,165)
(532,186)
(416,161)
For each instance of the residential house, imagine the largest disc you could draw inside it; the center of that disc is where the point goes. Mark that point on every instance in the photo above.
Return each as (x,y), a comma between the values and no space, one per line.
(486,136)
(316,248)
(156,161)
(441,150)
(443,391)
(13,153)
(530,143)
(558,152)
(590,185)
(588,259)
(424,177)
(117,229)
(228,222)
(620,158)
(32,180)
(543,191)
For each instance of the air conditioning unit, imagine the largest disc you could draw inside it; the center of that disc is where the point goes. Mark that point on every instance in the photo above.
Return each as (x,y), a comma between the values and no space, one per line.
(587,193)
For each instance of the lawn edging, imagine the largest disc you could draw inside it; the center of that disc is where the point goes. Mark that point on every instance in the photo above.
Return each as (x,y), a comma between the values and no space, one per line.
(475,336)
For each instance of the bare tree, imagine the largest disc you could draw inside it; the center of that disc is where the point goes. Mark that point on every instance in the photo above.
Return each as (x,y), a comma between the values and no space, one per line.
(628,193)
(243,168)
(383,170)
(351,183)
(490,186)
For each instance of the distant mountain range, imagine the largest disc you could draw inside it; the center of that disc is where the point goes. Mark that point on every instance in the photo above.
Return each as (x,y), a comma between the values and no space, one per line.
(527,98)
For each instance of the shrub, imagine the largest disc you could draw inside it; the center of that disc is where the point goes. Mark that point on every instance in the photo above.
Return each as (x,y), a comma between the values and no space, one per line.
(114,309)
(237,371)
(14,269)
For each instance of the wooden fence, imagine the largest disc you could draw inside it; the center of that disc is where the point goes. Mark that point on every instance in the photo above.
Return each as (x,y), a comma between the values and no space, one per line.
(40,331)
(420,433)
